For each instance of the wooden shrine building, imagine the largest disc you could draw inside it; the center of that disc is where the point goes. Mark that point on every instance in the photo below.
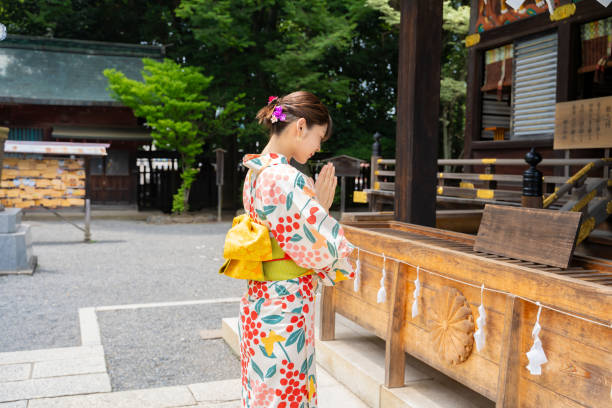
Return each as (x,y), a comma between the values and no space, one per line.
(513,313)
(54,90)
(522,63)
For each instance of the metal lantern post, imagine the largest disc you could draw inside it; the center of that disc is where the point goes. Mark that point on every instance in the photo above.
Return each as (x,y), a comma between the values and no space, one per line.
(3,136)
(219,170)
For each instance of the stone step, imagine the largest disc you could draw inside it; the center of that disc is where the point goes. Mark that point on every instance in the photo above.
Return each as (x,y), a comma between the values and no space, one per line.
(56,372)
(215,394)
(356,360)
(332,394)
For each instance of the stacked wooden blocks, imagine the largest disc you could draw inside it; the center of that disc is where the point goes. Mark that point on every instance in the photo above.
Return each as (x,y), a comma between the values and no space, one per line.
(48,182)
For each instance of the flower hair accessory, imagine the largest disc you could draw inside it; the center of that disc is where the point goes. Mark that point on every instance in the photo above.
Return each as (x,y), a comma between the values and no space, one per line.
(271,99)
(278,115)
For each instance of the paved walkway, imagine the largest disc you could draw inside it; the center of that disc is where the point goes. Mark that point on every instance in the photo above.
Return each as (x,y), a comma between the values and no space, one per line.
(116,323)
(76,377)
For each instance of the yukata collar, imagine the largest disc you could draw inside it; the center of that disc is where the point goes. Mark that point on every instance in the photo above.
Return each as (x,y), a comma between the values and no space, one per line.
(257,162)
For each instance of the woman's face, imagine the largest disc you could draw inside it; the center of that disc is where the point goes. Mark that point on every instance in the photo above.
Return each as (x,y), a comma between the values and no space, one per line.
(310,141)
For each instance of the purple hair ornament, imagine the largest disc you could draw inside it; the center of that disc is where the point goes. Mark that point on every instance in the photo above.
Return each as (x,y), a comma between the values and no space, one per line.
(278,115)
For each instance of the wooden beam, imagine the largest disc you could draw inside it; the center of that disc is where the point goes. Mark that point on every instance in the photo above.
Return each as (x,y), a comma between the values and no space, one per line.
(395,357)
(418,100)
(508,380)
(473,103)
(327,311)
(473,15)
(567,61)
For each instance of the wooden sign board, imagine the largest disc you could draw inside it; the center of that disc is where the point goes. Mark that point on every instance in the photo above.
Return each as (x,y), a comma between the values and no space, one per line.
(584,124)
(346,166)
(543,236)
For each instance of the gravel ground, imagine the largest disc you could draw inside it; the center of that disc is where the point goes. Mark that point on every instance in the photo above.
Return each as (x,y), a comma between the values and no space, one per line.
(168,352)
(129,262)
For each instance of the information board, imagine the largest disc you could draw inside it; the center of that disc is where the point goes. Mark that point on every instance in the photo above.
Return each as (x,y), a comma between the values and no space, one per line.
(584,124)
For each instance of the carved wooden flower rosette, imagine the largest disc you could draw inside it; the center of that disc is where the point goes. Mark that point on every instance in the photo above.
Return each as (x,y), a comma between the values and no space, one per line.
(451,326)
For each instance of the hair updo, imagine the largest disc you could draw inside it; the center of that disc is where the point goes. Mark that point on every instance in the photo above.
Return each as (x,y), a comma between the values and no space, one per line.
(300,104)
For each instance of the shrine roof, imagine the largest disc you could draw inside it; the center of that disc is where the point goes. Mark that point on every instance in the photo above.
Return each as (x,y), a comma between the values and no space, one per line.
(52,71)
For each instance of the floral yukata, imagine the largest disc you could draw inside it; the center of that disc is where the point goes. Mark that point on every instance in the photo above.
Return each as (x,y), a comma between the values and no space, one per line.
(276,325)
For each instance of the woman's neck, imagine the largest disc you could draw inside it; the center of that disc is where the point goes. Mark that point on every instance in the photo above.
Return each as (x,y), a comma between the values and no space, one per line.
(275,146)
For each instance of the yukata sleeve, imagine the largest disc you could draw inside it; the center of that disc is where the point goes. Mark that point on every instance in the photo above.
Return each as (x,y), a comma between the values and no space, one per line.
(286,203)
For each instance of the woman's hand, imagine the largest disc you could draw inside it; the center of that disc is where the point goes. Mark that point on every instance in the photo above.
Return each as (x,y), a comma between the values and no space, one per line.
(325,186)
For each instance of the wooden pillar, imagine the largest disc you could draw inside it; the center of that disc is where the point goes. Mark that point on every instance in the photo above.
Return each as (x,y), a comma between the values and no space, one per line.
(418,100)
(473,102)
(509,363)
(327,312)
(395,357)
(568,55)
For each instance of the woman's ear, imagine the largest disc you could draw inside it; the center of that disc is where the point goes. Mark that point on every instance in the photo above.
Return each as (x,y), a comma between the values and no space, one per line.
(300,127)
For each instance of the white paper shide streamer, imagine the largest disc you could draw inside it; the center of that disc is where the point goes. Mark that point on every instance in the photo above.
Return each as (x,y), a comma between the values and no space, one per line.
(536,355)
(415,295)
(515,4)
(551,6)
(382,293)
(604,3)
(479,335)
(357,281)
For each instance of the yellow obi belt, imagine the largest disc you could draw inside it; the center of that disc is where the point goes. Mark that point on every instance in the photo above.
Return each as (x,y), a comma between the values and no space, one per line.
(250,253)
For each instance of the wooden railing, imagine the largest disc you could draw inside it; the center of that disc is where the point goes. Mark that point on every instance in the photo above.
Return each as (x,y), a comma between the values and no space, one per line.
(478,187)
(589,195)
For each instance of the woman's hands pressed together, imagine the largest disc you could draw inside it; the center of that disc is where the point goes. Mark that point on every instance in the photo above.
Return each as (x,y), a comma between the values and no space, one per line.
(325,186)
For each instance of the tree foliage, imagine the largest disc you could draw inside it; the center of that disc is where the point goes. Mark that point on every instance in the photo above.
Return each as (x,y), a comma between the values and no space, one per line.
(338,50)
(455,25)
(172,99)
(344,51)
(389,14)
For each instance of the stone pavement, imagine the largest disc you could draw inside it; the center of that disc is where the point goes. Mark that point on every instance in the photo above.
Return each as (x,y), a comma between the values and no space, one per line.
(66,329)
(77,377)
(27,375)
(215,394)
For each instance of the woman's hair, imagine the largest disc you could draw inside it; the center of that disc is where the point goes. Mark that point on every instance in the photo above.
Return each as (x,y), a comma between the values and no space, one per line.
(300,104)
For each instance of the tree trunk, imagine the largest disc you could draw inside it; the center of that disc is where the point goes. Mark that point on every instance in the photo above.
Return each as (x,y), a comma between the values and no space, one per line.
(186,198)
(184,186)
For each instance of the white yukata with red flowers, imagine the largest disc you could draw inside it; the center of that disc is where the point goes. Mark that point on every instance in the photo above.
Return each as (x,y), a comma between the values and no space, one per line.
(276,325)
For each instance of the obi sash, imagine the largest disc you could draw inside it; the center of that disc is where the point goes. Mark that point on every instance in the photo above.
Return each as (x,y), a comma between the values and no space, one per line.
(251,253)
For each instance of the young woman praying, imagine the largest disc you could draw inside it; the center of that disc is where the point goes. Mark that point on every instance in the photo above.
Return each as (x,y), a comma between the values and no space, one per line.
(285,244)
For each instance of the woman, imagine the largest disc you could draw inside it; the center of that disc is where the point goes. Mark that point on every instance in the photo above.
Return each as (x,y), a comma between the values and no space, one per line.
(308,246)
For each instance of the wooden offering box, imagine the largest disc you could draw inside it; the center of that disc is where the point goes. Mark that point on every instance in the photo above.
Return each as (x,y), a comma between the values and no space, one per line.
(579,368)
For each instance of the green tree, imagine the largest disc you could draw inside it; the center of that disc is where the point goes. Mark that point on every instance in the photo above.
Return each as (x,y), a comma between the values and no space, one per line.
(453,85)
(456,18)
(337,49)
(371,64)
(266,43)
(172,99)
